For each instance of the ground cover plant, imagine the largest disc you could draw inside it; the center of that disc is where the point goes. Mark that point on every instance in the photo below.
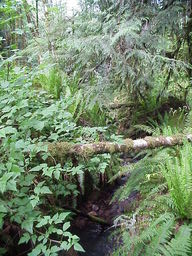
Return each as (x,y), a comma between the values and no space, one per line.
(110,71)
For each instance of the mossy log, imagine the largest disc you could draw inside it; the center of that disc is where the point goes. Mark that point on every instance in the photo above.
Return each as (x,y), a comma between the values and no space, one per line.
(60,149)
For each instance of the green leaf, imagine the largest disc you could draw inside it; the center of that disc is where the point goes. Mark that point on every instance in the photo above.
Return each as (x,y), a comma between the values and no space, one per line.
(2,133)
(2,251)
(65,245)
(48,171)
(10,130)
(11,185)
(49,111)
(78,247)
(62,217)
(2,215)
(55,217)
(38,125)
(3,181)
(3,209)
(28,225)
(45,190)
(34,238)
(66,226)
(24,239)
(57,174)
(77,170)
(37,250)
(16,169)
(43,222)
(59,231)
(4,84)
(20,144)
(36,168)
(42,190)
(55,249)
(7,130)
(34,200)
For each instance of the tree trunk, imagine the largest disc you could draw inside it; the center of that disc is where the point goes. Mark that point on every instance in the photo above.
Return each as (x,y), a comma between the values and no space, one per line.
(60,149)
(30,20)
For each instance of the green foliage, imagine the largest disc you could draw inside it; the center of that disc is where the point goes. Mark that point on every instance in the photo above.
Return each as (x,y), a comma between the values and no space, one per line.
(170,123)
(52,82)
(177,172)
(117,48)
(96,116)
(135,52)
(29,118)
(25,184)
(163,179)
(166,197)
(160,238)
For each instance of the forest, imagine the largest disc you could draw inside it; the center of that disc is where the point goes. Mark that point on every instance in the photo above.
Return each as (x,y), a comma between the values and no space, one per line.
(96,128)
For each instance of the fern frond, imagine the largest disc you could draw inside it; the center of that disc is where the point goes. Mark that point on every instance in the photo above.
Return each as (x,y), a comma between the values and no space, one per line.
(177,172)
(145,128)
(156,228)
(163,234)
(180,245)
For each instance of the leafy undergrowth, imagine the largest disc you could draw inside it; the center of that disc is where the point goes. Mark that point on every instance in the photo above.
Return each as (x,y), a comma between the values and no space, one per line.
(32,191)
(134,54)
(160,222)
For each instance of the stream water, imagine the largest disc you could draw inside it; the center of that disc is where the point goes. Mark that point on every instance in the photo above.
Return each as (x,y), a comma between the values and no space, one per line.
(96,239)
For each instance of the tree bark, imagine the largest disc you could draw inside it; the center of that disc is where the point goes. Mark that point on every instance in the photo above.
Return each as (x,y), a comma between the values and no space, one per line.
(59,150)
(34,30)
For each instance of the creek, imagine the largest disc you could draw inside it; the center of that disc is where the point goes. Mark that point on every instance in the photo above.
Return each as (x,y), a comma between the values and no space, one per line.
(96,239)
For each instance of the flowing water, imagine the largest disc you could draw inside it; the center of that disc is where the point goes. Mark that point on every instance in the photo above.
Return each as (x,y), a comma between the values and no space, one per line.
(96,239)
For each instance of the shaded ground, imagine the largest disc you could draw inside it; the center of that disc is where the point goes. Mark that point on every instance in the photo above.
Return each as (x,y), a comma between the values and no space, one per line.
(96,239)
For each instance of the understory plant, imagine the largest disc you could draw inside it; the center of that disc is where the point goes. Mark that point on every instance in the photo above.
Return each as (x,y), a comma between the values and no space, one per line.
(160,221)
(33,185)
(161,237)
(177,171)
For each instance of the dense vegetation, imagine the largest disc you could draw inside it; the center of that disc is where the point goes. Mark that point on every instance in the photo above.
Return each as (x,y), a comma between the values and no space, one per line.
(112,70)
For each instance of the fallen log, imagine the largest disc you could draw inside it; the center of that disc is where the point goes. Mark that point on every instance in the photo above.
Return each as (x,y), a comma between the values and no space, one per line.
(120,105)
(60,149)
(91,217)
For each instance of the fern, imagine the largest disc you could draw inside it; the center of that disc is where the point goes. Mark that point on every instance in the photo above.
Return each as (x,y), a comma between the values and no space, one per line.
(146,128)
(188,122)
(50,81)
(180,245)
(159,238)
(142,172)
(164,178)
(177,172)
(163,235)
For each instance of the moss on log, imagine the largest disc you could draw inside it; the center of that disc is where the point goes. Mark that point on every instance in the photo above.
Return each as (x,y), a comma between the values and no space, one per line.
(60,150)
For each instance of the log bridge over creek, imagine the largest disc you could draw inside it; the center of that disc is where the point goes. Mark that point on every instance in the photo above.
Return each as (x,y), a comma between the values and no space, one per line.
(60,149)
